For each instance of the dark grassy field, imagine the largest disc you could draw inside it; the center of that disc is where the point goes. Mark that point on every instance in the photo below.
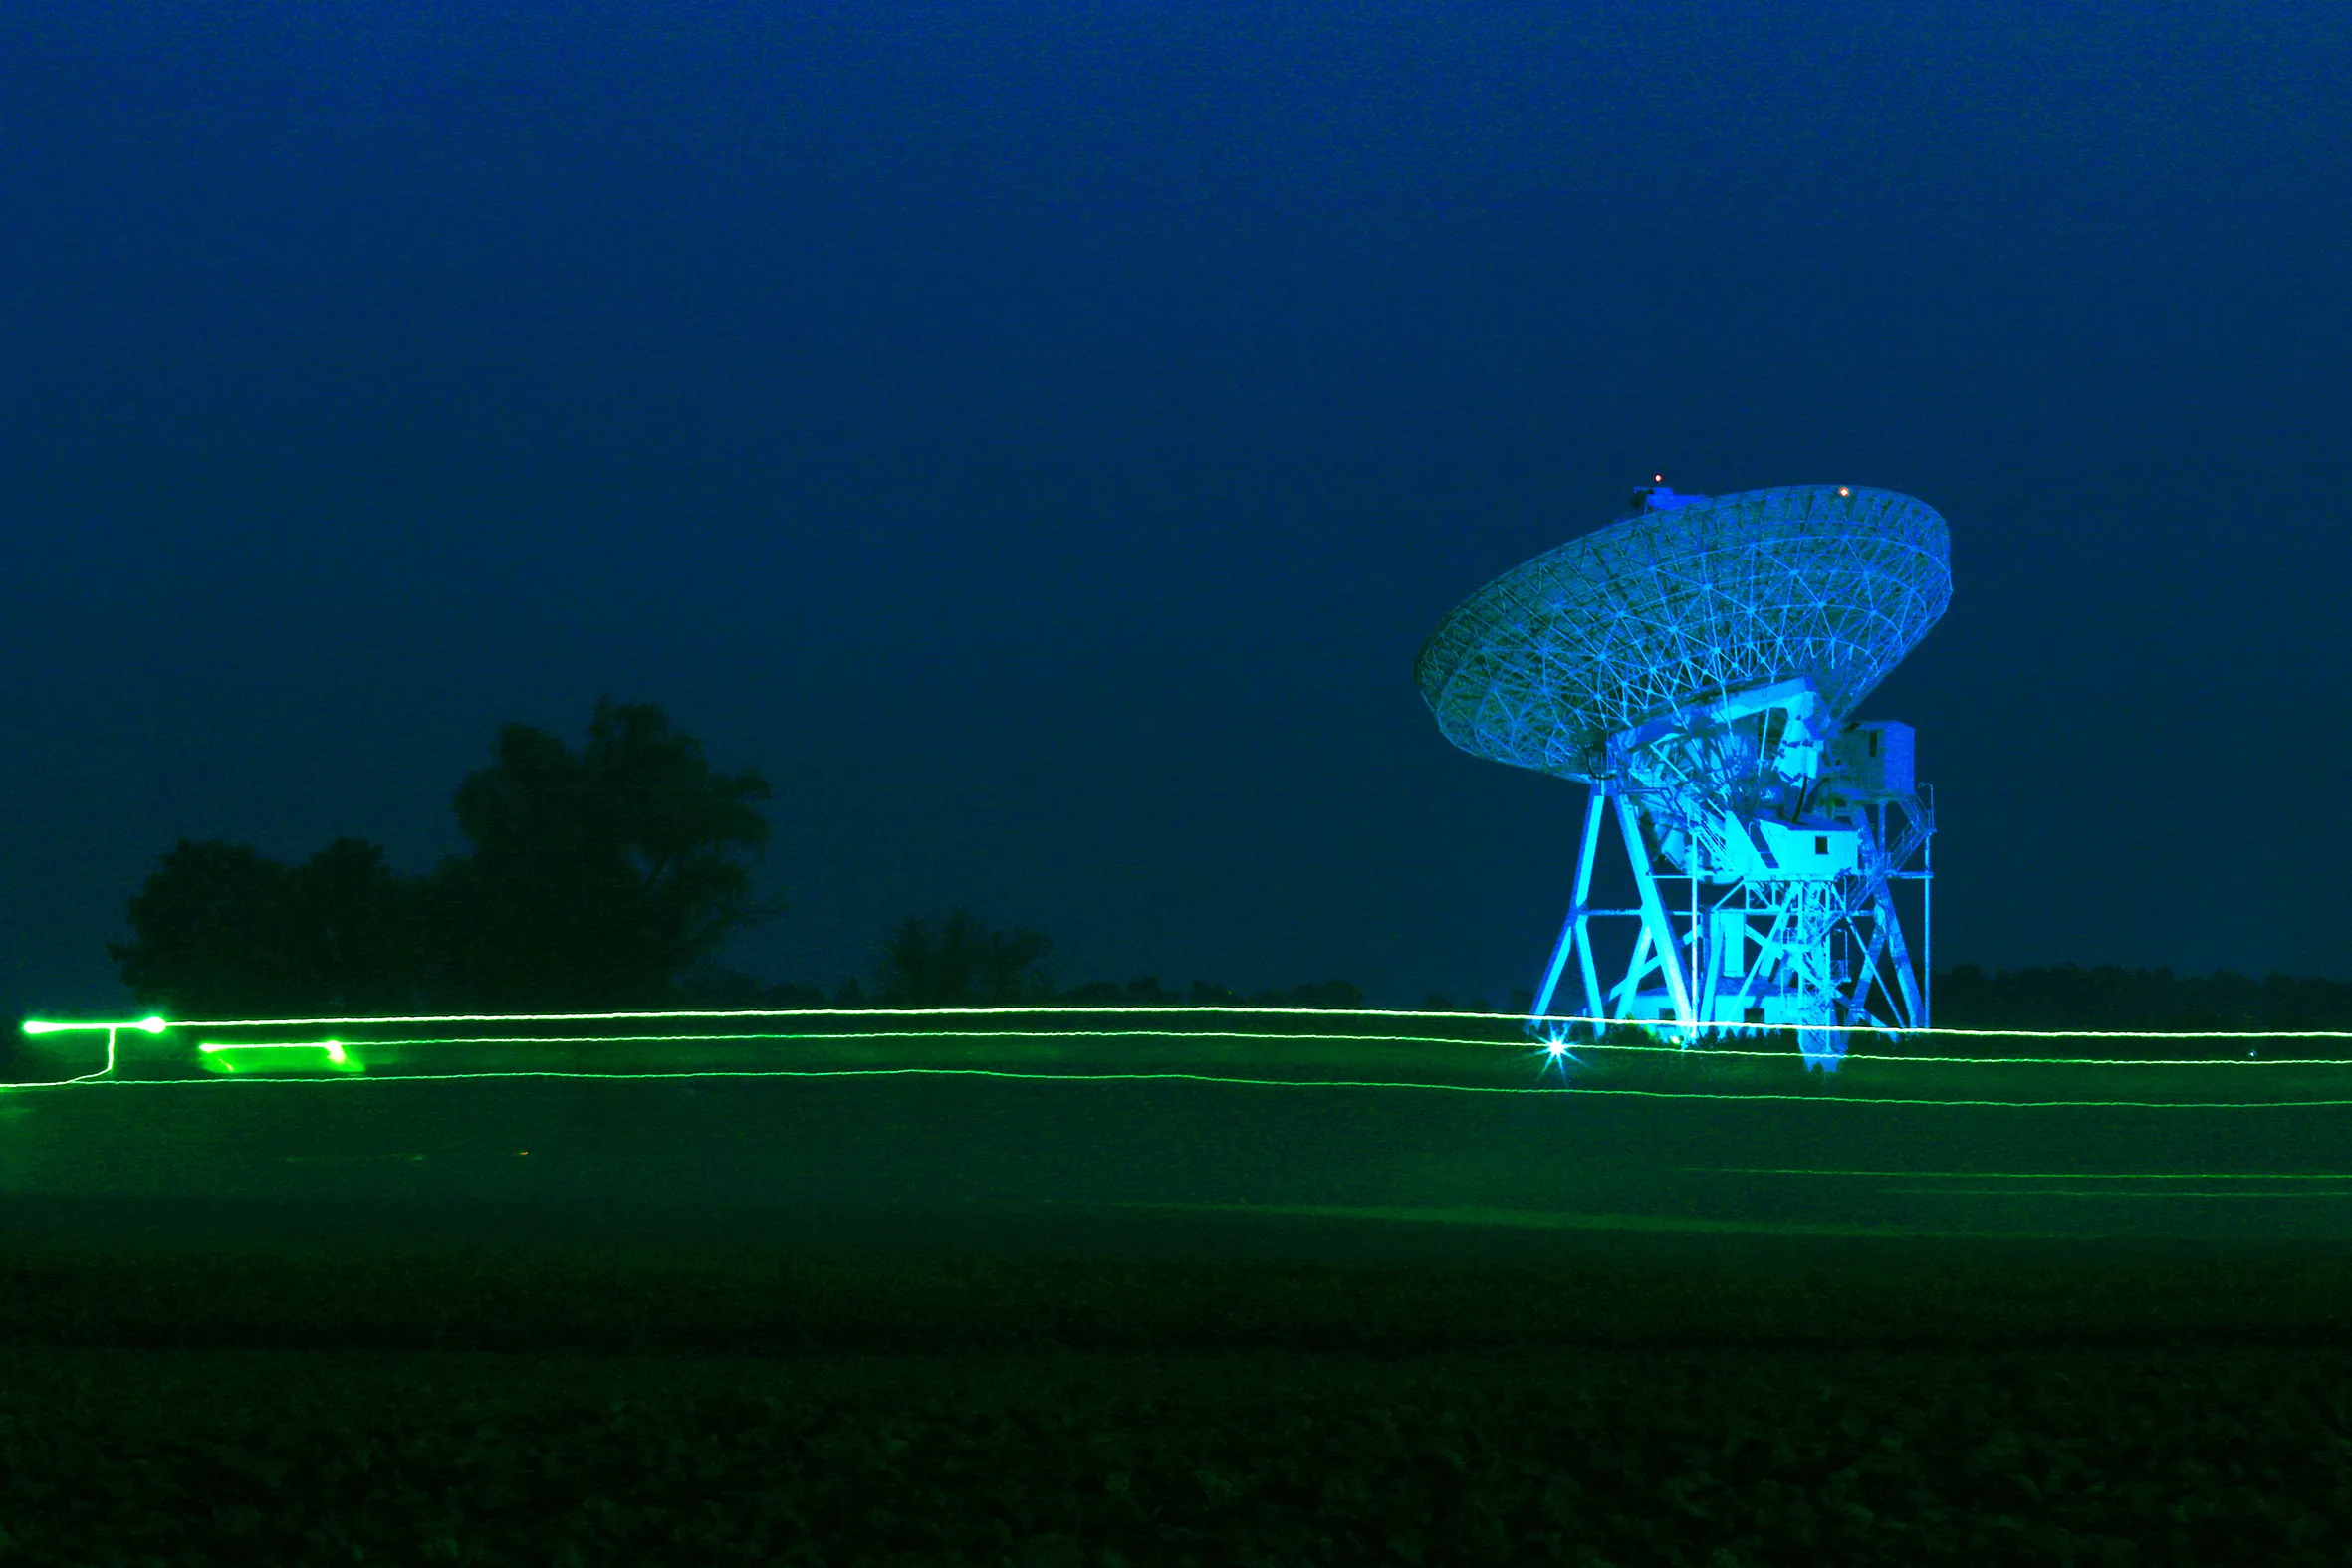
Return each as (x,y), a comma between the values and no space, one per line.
(977,1320)
(234,1387)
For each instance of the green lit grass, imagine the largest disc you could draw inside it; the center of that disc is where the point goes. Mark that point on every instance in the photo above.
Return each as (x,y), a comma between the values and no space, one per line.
(1305,1049)
(1677,1364)
(1487,1217)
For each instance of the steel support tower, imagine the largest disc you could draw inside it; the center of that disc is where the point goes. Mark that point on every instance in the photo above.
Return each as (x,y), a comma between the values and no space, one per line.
(1694,664)
(1765,867)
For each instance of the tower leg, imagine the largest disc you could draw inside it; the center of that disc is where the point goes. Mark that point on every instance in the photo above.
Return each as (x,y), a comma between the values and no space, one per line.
(1635,968)
(1593,813)
(1655,921)
(1855,1008)
(1576,932)
(1915,1008)
(1551,971)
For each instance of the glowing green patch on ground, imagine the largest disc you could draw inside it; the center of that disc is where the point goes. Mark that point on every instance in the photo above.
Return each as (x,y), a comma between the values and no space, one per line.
(277,1056)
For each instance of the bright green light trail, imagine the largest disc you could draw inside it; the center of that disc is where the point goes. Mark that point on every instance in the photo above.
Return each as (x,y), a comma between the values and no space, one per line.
(151,1025)
(1079,1009)
(1218,1078)
(2093,1192)
(332,1048)
(2036,1175)
(226,1053)
(857,1037)
(1280,1037)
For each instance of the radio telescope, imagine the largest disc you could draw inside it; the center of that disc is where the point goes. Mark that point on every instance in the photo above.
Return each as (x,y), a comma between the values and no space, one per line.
(1694,664)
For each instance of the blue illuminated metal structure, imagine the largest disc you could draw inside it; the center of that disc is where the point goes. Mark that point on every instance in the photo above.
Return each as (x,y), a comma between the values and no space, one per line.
(1694,663)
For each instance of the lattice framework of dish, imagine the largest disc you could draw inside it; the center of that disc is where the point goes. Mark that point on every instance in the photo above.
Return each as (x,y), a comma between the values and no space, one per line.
(1665,609)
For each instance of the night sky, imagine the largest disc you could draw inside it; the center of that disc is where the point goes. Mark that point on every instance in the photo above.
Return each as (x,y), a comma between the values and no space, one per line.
(1040,435)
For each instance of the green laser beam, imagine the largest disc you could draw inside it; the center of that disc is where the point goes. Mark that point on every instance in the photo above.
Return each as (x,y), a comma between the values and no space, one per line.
(1216,1078)
(1281,1037)
(1206,1008)
(332,1048)
(147,1026)
(151,1025)
(2031,1176)
(989,1037)
(1556,1220)
(2068,1192)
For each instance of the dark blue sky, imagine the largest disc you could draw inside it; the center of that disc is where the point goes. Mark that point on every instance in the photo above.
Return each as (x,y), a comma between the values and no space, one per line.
(1040,435)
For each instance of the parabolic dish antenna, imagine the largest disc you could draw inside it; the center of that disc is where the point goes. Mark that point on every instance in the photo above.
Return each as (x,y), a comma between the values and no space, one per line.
(1667,607)
(1695,663)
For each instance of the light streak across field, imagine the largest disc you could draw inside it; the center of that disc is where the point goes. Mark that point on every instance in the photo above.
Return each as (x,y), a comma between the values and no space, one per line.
(1264,1036)
(1080,1010)
(1304,1039)
(331,1050)
(2029,1175)
(1007,1075)
(2169,1193)
(347,1058)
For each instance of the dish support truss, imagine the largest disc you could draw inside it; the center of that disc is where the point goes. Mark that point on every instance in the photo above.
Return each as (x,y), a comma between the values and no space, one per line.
(1767,845)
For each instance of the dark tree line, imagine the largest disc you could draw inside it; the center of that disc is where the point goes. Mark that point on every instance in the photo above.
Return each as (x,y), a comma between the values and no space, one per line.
(596,878)
(601,877)
(2070,996)
(1149,993)
(956,960)
(607,877)
(959,959)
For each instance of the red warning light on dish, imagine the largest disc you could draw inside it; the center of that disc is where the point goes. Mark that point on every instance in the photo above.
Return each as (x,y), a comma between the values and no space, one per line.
(1844,491)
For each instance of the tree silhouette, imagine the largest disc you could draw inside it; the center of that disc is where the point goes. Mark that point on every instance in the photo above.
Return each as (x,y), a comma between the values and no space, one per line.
(962,962)
(220,931)
(597,878)
(359,937)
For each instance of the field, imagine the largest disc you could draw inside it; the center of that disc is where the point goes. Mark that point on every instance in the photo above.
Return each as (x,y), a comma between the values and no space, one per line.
(1719,1314)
